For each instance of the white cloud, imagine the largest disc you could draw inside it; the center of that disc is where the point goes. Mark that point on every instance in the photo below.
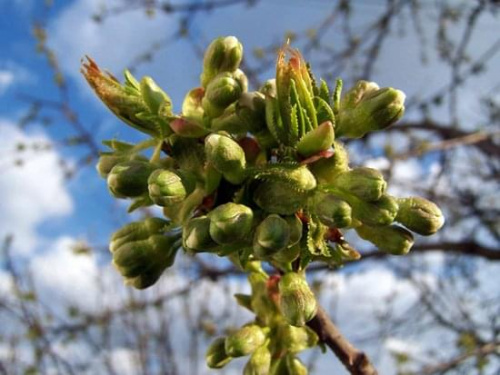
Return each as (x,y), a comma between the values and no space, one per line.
(32,193)
(6,80)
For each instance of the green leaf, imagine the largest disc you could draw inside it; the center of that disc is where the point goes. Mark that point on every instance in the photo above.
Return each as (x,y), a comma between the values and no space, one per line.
(324,91)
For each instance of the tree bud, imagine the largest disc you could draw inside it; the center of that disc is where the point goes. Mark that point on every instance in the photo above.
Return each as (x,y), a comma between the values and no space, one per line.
(187,128)
(245,341)
(367,108)
(367,184)
(326,170)
(332,211)
(297,339)
(296,227)
(259,363)
(381,212)
(271,236)
(167,187)
(229,122)
(216,356)
(224,54)
(196,235)
(251,109)
(297,302)
(107,161)
(295,366)
(420,215)
(316,140)
(129,179)
(138,231)
(223,90)
(230,222)
(389,239)
(276,197)
(226,156)
(154,97)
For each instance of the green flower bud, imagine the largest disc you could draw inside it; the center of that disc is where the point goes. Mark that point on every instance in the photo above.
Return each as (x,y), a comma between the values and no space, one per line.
(224,54)
(326,170)
(230,222)
(188,129)
(259,362)
(269,88)
(229,121)
(276,197)
(381,212)
(154,97)
(297,339)
(251,109)
(389,239)
(245,341)
(316,140)
(212,178)
(192,109)
(107,161)
(221,92)
(167,187)
(242,79)
(196,235)
(420,215)
(138,231)
(297,302)
(271,236)
(367,108)
(295,366)
(296,227)
(226,156)
(367,184)
(129,179)
(332,211)
(216,356)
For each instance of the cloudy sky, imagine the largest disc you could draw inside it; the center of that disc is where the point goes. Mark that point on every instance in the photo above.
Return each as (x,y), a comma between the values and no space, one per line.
(47,214)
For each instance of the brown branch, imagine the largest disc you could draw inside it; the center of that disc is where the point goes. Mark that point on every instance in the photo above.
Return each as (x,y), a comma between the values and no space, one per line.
(354,360)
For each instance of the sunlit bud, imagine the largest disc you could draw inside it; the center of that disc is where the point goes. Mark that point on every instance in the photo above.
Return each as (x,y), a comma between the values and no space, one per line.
(216,356)
(212,178)
(196,235)
(259,362)
(245,340)
(107,161)
(223,90)
(297,302)
(242,79)
(167,187)
(333,211)
(188,128)
(125,101)
(316,140)
(271,236)
(251,109)
(192,109)
(367,108)
(367,184)
(295,366)
(276,197)
(224,54)
(389,239)
(138,231)
(269,88)
(381,212)
(297,339)
(226,156)
(230,222)
(129,179)
(154,97)
(326,170)
(420,215)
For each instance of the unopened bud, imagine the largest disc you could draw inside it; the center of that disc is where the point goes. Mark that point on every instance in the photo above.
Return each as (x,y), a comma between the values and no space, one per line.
(295,366)
(259,362)
(138,231)
(297,339)
(251,109)
(367,184)
(229,121)
(276,197)
(196,235)
(271,236)
(389,239)
(223,90)
(167,187)
(226,156)
(326,170)
(224,54)
(216,356)
(420,215)
(230,222)
(129,179)
(245,341)
(333,211)
(297,302)
(316,140)
(381,212)
(188,128)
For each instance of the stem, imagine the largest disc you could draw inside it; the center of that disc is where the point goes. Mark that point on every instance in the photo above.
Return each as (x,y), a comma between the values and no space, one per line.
(354,360)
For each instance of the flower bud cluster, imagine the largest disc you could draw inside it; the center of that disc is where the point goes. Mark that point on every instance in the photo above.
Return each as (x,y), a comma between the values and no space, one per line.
(255,176)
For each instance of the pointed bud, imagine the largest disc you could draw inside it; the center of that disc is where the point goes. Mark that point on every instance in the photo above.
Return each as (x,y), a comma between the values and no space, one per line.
(224,54)
(326,170)
(226,156)
(367,184)
(216,356)
(196,235)
(230,222)
(259,363)
(332,211)
(154,97)
(223,90)
(245,341)
(297,302)
(381,212)
(389,239)
(138,231)
(271,236)
(107,161)
(129,179)
(420,215)
(367,108)
(316,140)
(298,339)
(167,187)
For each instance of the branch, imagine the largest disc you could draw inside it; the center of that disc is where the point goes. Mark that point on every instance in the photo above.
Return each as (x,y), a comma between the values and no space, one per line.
(355,361)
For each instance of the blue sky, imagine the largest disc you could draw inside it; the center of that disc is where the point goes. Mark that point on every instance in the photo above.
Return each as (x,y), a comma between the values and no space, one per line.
(47,214)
